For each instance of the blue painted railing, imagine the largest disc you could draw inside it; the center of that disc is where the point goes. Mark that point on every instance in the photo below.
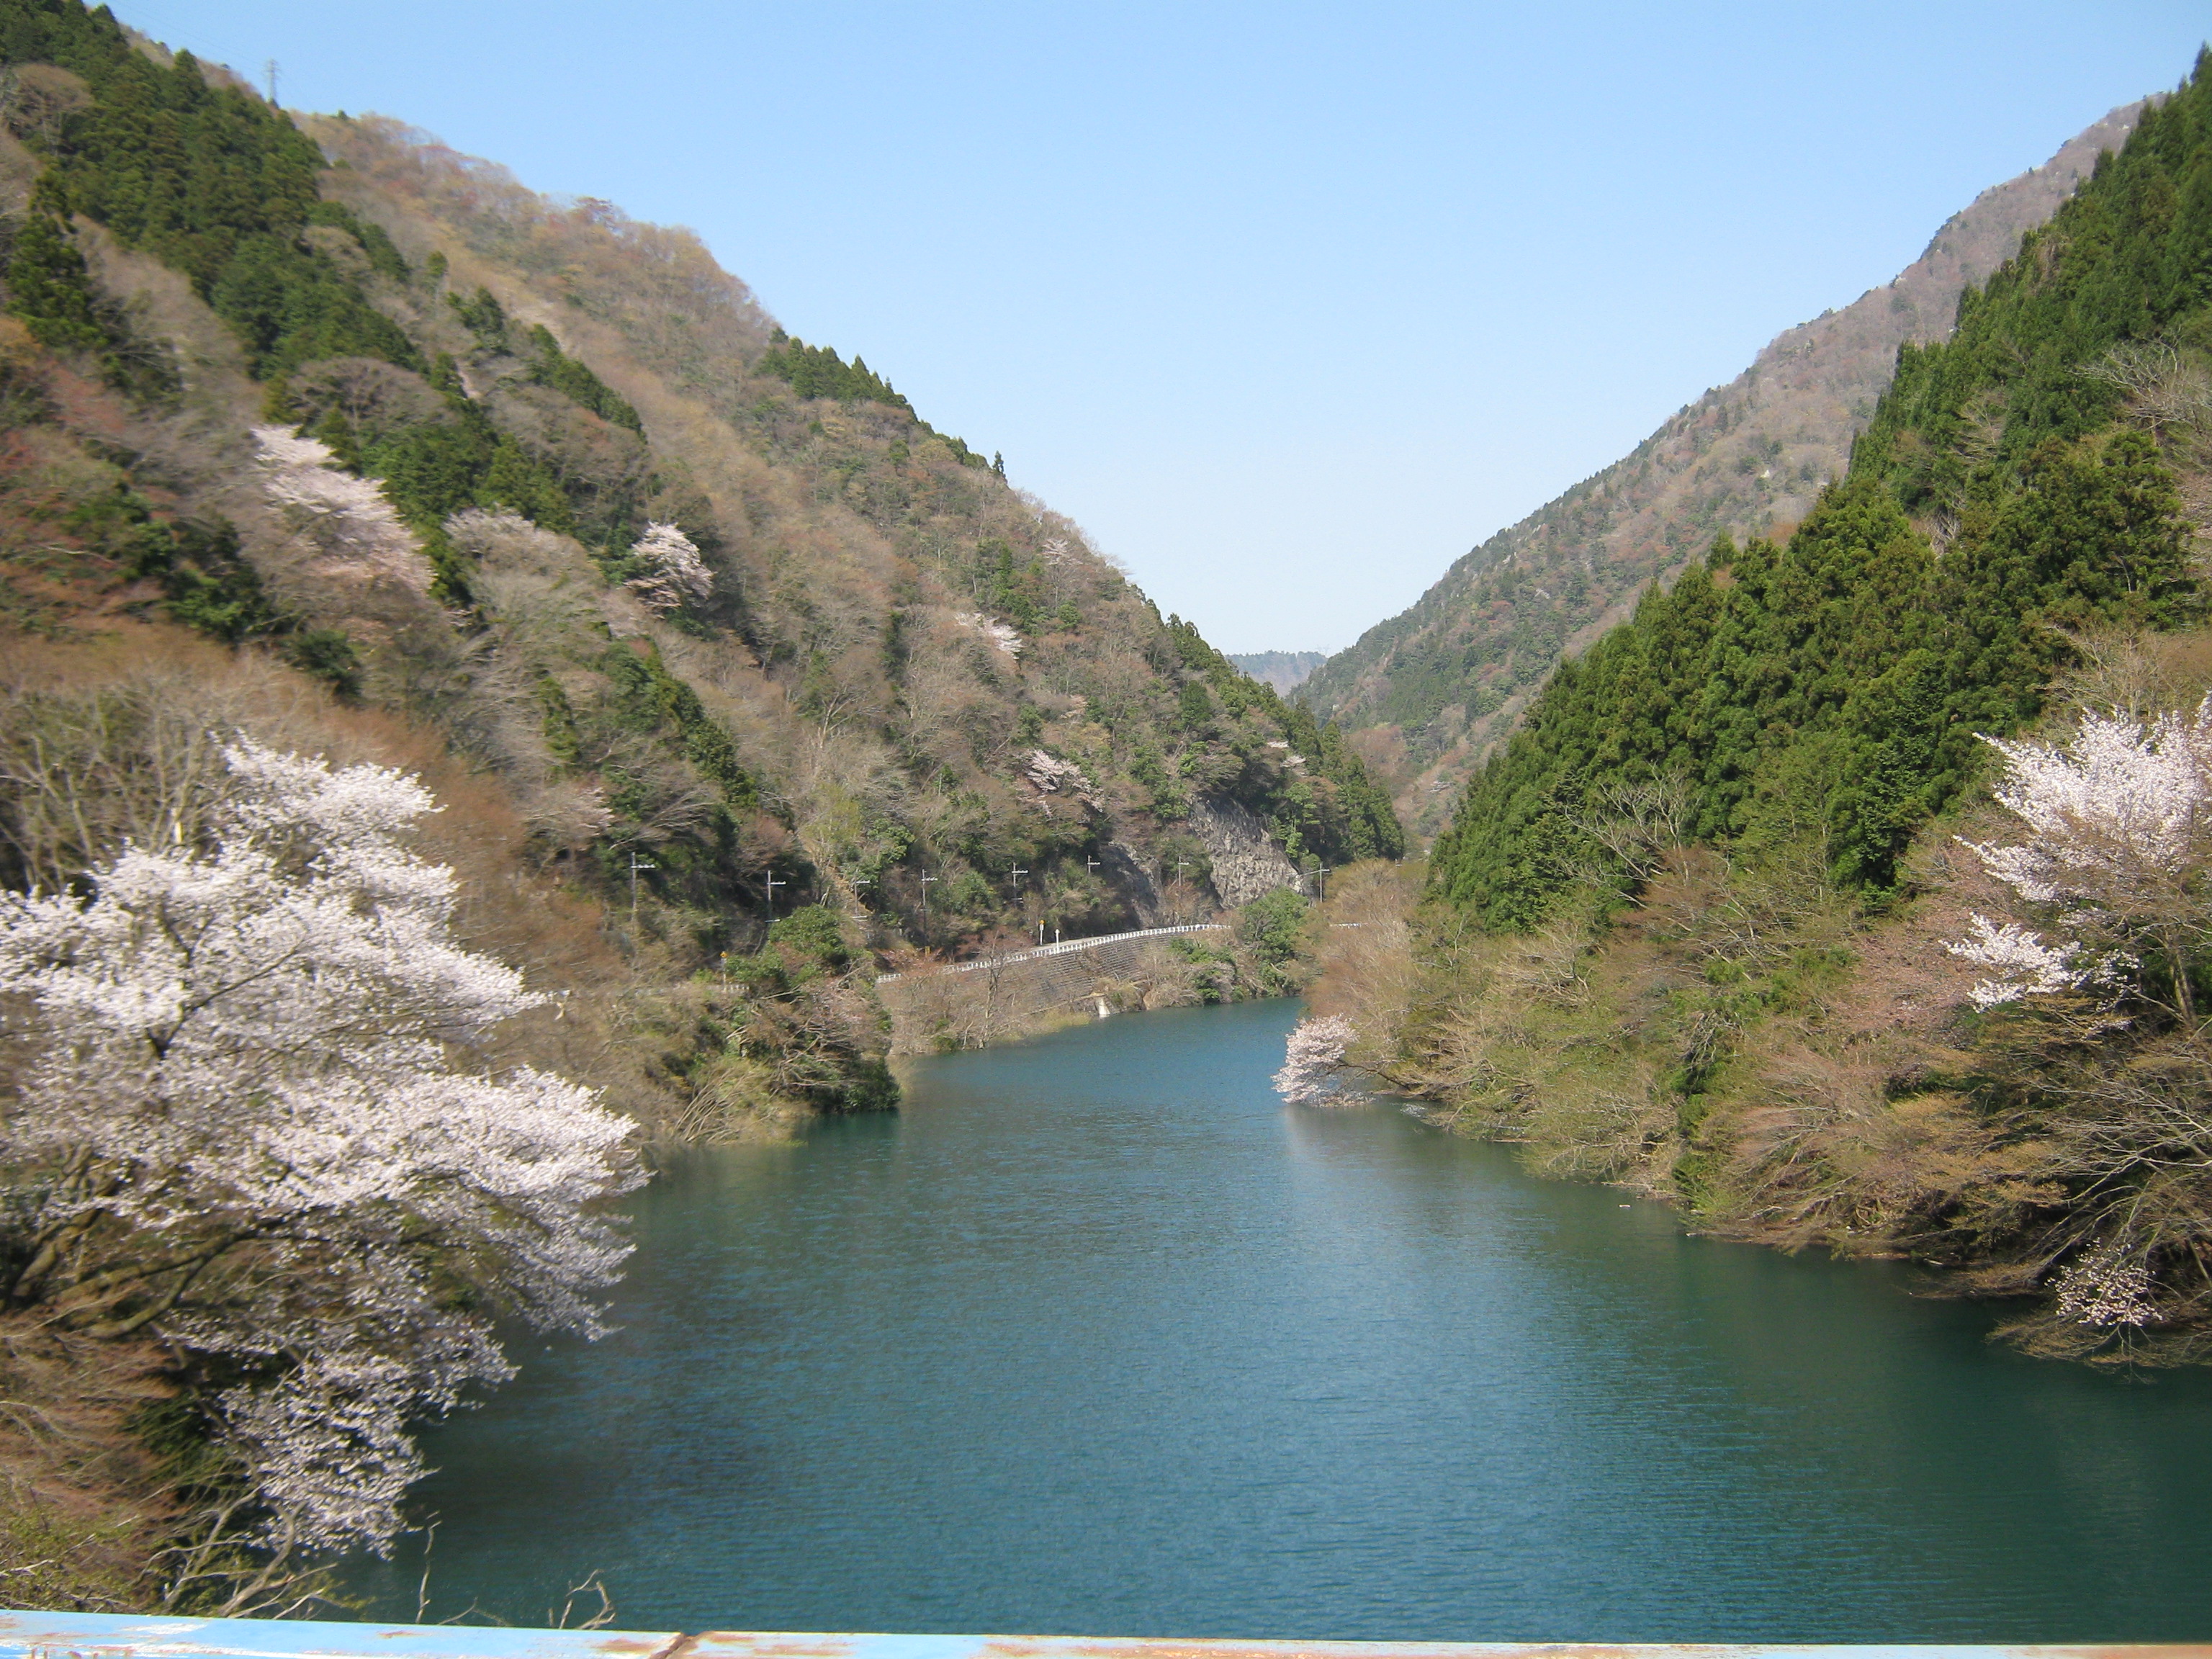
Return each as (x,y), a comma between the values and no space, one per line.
(110,1636)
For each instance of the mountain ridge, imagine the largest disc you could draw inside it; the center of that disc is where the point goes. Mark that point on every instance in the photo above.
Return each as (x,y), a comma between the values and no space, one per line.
(1426,694)
(1284,670)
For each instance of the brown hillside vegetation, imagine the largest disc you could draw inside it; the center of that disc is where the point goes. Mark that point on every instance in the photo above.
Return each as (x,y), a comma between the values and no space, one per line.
(903,682)
(735,684)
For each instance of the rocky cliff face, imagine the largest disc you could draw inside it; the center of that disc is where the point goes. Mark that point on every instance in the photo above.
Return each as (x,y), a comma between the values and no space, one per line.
(1243,863)
(1429,690)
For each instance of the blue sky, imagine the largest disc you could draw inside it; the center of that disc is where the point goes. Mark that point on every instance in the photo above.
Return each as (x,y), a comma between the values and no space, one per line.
(1288,305)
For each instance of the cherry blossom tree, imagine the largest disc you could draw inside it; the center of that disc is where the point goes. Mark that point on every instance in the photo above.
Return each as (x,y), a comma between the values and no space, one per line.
(2116,845)
(1003,636)
(1313,1064)
(2021,964)
(674,575)
(249,1120)
(2111,877)
(2105,1290)
(350,525)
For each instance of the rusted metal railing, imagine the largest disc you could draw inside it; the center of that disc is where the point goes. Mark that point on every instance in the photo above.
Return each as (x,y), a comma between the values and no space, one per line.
(111,1636)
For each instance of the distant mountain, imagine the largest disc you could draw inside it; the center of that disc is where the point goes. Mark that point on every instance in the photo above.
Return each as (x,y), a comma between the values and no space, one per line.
(1284,670)
(1426,694)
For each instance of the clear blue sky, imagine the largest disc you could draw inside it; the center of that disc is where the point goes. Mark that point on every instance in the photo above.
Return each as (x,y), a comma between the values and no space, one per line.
(1289,305)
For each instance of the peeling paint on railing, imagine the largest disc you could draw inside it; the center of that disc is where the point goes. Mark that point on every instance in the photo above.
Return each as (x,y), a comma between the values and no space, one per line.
(1031,953)
(115,1635)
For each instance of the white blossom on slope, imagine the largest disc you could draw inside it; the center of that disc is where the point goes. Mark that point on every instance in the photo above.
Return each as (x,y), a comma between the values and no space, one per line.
(2023,965)
(351,524)
(676,573)
(2114,831)
(1313,1060)
(2118,802)
(1003,636)
(241,1127)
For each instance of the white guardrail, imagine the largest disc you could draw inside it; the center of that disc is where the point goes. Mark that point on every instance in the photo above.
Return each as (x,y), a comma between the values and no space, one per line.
(1031,953)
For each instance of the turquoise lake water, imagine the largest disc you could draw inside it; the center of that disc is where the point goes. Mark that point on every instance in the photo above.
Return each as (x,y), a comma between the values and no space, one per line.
(1095,1336)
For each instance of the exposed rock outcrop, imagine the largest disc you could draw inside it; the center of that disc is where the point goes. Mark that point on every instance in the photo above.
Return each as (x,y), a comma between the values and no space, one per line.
(1246,863)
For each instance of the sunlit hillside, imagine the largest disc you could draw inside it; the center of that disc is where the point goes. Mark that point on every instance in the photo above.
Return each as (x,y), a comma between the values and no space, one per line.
(730,631)
(1431,691)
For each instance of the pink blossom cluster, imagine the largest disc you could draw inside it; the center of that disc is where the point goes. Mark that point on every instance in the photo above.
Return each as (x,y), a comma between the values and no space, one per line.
(1313,1061)
(353,528)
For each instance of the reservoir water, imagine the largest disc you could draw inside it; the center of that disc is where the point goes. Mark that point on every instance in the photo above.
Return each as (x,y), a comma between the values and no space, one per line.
(1096,1336)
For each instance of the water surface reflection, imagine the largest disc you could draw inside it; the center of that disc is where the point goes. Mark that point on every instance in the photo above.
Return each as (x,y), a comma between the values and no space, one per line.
(1098,1337)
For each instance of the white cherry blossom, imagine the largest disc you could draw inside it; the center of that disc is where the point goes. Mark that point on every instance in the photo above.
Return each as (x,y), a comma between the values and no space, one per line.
(350,524)
(675,574)
(2118,800)
(2023,965)
(246,1124)
(2105,1290)
(1313,1061)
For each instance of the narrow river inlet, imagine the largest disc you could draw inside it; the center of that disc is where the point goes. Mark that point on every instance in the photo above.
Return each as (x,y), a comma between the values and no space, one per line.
(1096,1336)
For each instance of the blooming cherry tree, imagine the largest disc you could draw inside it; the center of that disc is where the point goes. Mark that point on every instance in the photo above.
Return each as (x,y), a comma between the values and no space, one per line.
(1003,636)
(2105,1290)
(249,1123)
(2021,964)
(2115,822)
(350,524)
(2115,854)
(1313,1061)
(674,575)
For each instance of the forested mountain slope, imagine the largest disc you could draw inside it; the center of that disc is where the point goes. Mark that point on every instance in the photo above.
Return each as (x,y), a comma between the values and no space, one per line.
(1430,690)
(1857,891)
(476,695)
(733,631)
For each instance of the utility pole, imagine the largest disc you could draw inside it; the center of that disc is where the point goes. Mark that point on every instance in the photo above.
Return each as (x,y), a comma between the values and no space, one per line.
(1090,866)
(635,867)
(269,70)
(1182,893)
(925,880)
(1321,884)
(773,884)
(1018,873)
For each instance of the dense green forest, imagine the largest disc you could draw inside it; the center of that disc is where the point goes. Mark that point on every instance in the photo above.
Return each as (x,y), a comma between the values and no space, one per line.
(1854,893)
(1833,687)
